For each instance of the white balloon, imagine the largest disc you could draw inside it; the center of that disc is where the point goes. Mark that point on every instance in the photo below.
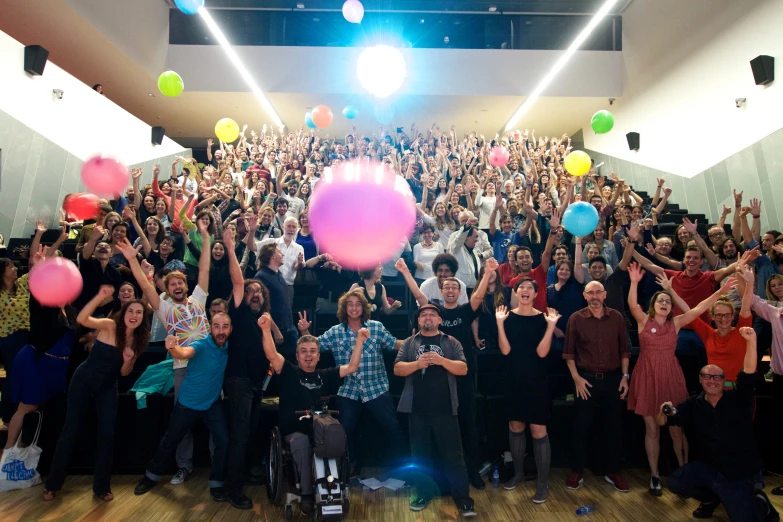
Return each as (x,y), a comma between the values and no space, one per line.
(353,11)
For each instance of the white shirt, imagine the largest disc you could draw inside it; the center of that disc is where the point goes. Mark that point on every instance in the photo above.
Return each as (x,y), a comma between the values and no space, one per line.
(431,291)
(290,255)
(425,256)
(295,206)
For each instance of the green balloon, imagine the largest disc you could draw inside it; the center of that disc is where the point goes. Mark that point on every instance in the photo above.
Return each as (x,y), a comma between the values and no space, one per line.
(170,84)
(602,122)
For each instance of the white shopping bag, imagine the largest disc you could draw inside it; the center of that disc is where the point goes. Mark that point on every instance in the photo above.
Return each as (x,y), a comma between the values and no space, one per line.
(18,465)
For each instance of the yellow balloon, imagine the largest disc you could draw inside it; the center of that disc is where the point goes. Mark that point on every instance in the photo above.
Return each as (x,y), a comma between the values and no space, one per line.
(577,163)
(227,130)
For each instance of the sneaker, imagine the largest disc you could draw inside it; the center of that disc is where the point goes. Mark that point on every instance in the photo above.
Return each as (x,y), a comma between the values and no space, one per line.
(771,514)
(705,509)
(180,476)
(218,494)
(419,503)
(769,375)
(239,500)
(777,491)
(655,486)
(574,480)
(619,482)
(513,482)
(542,493)
(307,505)
(144,485)
(476,481)
(467,510)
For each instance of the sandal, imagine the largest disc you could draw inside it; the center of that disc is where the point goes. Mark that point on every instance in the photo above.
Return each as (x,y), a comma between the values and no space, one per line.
(48,496)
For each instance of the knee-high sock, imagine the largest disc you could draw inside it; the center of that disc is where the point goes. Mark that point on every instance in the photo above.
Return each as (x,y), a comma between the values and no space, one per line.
(542,452)
(517,442)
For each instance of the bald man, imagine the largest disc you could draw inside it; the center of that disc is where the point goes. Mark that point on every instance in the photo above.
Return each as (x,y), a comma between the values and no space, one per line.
(596,352)
(724,461)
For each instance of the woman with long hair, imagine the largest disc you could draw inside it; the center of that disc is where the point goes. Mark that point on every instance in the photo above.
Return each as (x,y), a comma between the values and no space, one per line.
(120,341)
(162,213)
(375,292)
(565,295)
(525,335)
(444,224)
(485,330)
(657,376)
(508,270)
(204,220)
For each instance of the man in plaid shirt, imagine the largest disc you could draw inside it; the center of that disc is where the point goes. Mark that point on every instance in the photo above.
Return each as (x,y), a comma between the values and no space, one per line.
(369,387)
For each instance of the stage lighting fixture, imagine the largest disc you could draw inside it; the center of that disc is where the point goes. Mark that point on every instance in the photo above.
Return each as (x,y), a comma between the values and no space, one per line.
(381,70)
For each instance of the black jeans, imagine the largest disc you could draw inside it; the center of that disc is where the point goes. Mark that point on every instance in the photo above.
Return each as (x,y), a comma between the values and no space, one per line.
(182,419)
(87,387)
(244,403)
(704,483)
(467,422)
(9,348)
(382,408)
(439,432)
(604,397)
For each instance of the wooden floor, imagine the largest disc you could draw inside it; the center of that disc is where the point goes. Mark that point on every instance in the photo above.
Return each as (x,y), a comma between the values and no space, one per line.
(191,502)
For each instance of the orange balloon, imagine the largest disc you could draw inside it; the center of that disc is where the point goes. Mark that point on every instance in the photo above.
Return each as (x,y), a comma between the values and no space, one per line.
(322,116)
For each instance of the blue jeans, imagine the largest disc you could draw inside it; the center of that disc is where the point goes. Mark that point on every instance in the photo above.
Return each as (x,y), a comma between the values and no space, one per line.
(382,408)
(706,484)
(182,419)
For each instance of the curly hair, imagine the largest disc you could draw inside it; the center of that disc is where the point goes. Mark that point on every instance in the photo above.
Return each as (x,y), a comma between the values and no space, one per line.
(342,305)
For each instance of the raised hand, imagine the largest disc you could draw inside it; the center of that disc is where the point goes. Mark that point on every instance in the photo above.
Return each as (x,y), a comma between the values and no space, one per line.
(127,249)
(501,314)
(726,210)
(363,334)
(252,223)
(748,333)
(491,265)
(105,291)
(635,272)
(730,285)
(171,342)
(745,272)
(303,323)
(41,227)
(633,233)
(755,207)
(667,191)
(664,282)
(136,173)
(737,198)
(554,221)
(265,322)
(552,316)
(401,266)
(147,268)
(228,239)
(691,227)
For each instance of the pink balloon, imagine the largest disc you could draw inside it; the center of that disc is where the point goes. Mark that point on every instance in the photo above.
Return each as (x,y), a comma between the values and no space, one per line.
(360,212)
(105,176)
(55,281)
(498,156)
(353,11)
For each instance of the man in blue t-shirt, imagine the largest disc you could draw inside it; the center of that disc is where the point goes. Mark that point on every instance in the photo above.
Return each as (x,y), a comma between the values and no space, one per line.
(199,398)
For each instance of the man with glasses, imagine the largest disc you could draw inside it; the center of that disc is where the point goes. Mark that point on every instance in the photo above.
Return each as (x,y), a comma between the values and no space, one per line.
(724,461)
(597,354)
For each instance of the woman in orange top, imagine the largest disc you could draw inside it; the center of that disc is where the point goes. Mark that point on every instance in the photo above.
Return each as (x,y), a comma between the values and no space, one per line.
(725,346)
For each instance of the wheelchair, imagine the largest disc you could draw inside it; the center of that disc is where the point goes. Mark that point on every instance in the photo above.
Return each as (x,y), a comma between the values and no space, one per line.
(331,477)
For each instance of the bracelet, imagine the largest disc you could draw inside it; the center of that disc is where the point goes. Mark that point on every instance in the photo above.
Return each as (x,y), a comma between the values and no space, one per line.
(755,216)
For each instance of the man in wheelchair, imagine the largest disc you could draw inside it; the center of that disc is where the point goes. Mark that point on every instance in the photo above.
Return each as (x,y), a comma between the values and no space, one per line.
(300,389)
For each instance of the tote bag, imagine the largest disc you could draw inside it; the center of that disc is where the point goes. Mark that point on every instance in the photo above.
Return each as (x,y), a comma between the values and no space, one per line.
(18,465)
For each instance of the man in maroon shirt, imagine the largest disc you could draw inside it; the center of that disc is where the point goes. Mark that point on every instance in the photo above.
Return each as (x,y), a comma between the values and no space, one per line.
(596,352)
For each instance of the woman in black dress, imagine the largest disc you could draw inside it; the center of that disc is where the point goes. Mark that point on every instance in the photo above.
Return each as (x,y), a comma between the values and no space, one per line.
(375,293)
(526,389)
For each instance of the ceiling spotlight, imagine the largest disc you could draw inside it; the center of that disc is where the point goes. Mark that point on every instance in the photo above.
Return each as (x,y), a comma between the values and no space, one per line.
(152,95)
(300,5)
(381,70)
(492,8)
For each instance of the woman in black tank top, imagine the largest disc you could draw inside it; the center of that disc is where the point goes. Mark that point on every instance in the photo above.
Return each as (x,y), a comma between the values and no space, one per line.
(375,293)
(120,341)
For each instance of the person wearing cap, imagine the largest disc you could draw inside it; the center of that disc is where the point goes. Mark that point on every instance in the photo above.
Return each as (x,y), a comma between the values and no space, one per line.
(430,361)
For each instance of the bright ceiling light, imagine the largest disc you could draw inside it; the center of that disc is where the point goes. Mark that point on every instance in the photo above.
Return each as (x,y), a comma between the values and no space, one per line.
(546,80)
(381,70)
(239,66)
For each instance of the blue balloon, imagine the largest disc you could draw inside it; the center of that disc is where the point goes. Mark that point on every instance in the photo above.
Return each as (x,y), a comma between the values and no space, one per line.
(309,120)
(189,7)
(580,218)
(350,112)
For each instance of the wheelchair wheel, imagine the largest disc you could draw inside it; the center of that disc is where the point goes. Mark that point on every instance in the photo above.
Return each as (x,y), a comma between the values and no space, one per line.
(274,485)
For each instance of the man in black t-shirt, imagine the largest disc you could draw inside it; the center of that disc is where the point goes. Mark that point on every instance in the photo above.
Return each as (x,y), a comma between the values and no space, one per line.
(457,322)
(301,388)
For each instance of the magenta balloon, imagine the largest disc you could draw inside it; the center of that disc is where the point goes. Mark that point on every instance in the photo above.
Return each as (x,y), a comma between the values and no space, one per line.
(105,176)
(55,281)
(498,156)
(360,212)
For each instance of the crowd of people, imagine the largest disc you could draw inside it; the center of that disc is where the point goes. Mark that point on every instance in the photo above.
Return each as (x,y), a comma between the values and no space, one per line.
(207,259)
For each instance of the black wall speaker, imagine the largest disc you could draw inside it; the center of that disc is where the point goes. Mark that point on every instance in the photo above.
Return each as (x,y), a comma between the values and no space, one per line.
(35,58)
(633,140)
(157,135)
(763,69)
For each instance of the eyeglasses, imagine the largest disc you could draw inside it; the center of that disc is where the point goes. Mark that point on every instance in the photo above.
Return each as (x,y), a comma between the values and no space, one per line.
(709,376)
(717,234)
(663,301)
(723,316)
(595,292)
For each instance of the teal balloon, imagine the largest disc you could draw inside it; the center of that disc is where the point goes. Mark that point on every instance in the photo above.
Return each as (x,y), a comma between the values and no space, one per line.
(309,120)
(189,7)
(602,122)
(580,219)
(350,112)
(170,84)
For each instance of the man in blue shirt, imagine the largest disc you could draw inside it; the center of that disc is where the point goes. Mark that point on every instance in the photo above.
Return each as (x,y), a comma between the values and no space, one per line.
(199,398)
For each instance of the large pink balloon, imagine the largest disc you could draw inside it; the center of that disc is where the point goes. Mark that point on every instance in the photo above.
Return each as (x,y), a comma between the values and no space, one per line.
(105,176)
(498,156)
(55,281)
(360,212)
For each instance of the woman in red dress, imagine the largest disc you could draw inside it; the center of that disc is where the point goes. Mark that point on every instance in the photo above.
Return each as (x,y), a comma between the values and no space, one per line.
(657,377)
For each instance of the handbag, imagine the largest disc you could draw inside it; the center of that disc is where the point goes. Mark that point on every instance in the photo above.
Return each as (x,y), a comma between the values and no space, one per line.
(18,465)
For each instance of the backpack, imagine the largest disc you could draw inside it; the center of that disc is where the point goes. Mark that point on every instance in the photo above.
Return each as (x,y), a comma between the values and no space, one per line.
(329,437)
